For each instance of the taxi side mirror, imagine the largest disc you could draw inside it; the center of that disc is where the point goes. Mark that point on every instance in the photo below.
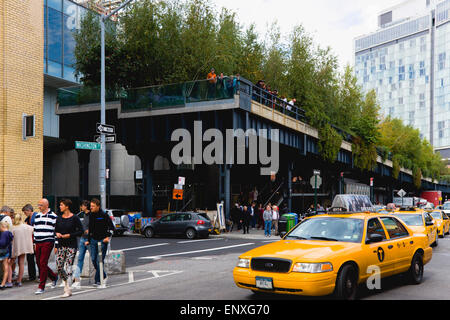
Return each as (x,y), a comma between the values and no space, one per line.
(429,223)
(282,234)
(374,237)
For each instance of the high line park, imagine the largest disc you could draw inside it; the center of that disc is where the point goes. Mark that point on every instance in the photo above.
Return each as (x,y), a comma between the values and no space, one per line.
(216,168)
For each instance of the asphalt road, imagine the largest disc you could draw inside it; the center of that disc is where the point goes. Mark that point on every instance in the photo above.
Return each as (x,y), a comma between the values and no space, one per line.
(177,269)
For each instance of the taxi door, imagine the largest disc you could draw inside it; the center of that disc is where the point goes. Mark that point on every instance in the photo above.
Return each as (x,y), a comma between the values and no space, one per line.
(446,222)
(377,253)
(402,243)
(430,227)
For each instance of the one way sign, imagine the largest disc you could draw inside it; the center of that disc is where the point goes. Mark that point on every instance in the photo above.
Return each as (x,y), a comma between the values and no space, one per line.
(105,128)
(108,138)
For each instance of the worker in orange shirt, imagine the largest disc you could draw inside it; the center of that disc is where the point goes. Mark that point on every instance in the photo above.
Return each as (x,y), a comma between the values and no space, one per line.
(212,81)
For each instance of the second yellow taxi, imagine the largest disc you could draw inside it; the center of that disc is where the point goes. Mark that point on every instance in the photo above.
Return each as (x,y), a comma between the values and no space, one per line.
(420,221)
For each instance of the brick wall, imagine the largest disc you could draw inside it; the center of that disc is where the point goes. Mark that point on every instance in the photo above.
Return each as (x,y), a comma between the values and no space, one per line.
(22,88)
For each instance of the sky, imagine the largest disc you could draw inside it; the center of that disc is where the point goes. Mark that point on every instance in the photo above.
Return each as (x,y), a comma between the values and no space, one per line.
(333,23)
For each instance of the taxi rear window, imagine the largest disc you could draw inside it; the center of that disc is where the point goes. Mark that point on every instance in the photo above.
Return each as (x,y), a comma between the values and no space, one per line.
(414,220)
(436,215)
(329,229)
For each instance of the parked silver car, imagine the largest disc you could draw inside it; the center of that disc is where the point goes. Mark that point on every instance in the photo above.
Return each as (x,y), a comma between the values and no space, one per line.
(120,220)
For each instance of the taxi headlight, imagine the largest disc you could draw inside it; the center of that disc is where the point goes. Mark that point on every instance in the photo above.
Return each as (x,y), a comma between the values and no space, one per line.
(312,267)
(244,263)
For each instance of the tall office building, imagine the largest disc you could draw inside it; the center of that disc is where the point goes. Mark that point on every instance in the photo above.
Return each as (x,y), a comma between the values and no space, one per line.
(407,63)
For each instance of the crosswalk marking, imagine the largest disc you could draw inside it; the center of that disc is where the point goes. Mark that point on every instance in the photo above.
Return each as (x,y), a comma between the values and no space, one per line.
(195,251)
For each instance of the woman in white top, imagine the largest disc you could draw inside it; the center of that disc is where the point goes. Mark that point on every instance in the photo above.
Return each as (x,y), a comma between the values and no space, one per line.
(22,243)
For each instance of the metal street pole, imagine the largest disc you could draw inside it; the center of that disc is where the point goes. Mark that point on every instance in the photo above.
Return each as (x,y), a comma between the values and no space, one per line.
(315,192)
(102,160)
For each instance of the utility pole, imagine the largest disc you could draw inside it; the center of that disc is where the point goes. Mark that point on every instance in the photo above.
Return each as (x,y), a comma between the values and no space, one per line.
(102,160)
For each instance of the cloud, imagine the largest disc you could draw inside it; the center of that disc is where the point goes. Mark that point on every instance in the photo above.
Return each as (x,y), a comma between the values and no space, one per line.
(332,23)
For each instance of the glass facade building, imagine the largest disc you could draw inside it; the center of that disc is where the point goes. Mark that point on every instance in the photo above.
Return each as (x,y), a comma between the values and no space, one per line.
(408,65)
(61,19)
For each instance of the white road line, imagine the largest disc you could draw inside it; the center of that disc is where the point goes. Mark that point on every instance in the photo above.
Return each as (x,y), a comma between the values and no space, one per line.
(196,251)
(144,247)
(192,241)
(116,285)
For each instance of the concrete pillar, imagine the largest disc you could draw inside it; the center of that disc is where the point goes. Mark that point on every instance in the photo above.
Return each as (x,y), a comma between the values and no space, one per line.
(225,188)
(289,183)
(83,162)
(147,195)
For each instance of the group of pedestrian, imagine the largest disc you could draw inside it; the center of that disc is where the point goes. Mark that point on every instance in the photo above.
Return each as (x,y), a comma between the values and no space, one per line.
(33,235)
(265,95)
(242,217)
(271,216)
(221,85)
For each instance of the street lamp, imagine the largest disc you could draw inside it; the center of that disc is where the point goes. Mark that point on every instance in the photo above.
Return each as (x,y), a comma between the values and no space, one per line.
(102,162)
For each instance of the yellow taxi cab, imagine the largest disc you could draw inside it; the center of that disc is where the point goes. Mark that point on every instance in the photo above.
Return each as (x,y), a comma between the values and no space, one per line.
(420,221)
(443,222)
(332,254)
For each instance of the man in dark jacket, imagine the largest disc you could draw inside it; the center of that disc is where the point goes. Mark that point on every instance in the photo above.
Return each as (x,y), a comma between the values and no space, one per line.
(100,229)
(235,214)
(245,219)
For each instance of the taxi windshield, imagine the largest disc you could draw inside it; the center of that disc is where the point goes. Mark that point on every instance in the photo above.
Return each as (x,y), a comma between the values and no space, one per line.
(411,219)
(447,206)
(328,229)
(436,215)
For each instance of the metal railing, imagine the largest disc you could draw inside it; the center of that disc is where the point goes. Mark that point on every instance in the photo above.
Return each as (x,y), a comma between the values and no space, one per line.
(177,95)
(266,98)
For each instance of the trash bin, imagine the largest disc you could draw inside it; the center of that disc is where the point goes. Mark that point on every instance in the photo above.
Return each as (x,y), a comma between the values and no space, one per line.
(282,224)
(291,219)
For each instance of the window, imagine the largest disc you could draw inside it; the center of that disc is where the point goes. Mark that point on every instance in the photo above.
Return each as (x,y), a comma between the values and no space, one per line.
(422,68)
(168,218)
(391,111)
(411,219)
(411,71)
(394,228)
(428,218)
(374,226)
(441,61)
(28,125)
(400,100)
(183,217)
(401,73)
(55,35)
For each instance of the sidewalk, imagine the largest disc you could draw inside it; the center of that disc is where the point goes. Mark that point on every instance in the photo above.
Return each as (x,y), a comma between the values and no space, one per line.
(254,234)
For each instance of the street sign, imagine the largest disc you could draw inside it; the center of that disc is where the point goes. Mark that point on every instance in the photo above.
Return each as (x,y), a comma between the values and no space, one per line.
(177,194)
(139,174)
(178,187)
(109,138)
(313,182)
(402,193)
(182,180)
(87,145)
(105,128)
(316,172)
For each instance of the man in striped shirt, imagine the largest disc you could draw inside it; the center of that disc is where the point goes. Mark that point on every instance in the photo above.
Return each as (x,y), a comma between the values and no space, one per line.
(44,240)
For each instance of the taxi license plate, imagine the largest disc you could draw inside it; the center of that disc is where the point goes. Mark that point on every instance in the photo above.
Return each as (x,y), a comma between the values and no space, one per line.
(264,283)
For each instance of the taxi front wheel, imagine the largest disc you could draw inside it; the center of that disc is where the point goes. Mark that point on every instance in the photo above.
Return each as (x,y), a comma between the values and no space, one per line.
(415,272)
(346,283)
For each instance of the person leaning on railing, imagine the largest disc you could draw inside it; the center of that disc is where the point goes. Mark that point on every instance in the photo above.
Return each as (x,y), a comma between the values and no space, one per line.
(212,83)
